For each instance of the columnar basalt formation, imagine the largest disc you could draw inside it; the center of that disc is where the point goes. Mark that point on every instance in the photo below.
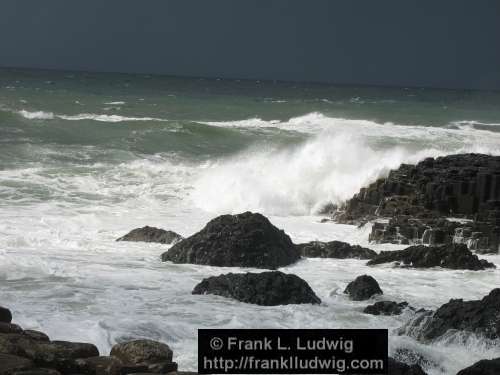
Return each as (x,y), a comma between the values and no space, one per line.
(417,202)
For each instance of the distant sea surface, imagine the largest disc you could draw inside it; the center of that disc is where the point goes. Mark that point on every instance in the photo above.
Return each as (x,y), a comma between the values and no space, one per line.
(85,158)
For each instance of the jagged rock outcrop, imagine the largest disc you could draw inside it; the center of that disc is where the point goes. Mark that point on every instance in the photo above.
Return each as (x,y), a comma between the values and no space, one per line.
(362,288)
(420,196)
(480,317)
(386,308)
(484,367)
(244,240)
(151,234)
(454,256)
(334,249)
(266,288)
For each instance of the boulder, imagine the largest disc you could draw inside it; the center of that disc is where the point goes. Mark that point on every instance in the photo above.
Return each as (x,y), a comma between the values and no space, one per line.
(386,308)
(36,335)
(10,328)
(5,315)
(334,249)
(362,288)
(484,367)
(142,352)
(99,366)
(266,288)
(400,368)
(11,363)
(244,240)
(453,256)
(151,234)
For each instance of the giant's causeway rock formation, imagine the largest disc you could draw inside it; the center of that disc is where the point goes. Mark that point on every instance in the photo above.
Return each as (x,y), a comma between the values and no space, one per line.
(481,317)
(418,198)
(265,288)
(152,234)
(453,256)
(28,352)
(334,249)
(244,240)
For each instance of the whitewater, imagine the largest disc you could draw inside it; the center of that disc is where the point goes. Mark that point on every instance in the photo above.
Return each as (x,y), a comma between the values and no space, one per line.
(80,167)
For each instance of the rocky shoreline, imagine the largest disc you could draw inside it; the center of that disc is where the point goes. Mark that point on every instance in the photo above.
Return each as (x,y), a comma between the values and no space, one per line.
(412,206)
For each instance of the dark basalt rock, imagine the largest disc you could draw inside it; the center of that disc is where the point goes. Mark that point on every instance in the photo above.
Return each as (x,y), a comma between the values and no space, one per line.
(11,363)
(481,317)
(10,328)
(142,352)
(454,256)
(36,335)
(37,371)
(151,234)
(465,185)
(362,288)
(412,357)
(484,367)
(400,368)
(99,366)
(386,308)
(244,240)
(266,288)
(334,249)
(5,315)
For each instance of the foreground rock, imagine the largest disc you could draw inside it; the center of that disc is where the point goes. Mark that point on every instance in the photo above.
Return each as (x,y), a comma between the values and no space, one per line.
(454,256)
(5,315)
(266,288)
(419,198)
(484,367)
(480,317)
(362,288)
(244,240)
(386,308)
(151,234)
(11,363)
(335,249)
(143,352)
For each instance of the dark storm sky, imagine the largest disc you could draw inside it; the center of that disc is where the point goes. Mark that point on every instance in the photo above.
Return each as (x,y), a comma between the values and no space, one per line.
(438,43)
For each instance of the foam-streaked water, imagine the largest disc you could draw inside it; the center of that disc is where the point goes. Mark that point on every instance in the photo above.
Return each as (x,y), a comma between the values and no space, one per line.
(86,158)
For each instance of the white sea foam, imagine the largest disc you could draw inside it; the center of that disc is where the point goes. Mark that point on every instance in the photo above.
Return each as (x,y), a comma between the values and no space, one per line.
(40,115)
(331,166)
(115,103)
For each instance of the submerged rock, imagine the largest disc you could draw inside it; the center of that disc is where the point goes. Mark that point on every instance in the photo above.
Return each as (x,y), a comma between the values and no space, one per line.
(484,367)
(453,256)
(335,249)
(151,234)
(480,317)
(142,352)
(266,288)
(244,240)
(5,315)
(386,308)
(362,288)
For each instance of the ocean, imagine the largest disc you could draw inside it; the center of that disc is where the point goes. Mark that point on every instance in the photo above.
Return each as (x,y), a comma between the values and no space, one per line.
(87,157)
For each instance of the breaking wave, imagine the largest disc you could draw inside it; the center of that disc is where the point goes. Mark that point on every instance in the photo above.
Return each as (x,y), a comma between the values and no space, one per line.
(41,115)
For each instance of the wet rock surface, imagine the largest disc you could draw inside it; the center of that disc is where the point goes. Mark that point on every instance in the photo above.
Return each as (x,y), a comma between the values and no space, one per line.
(142,352)
(11,363)
(152,234)
(480,317)
(5,315)
(362,288)
(418,199)
(453,256)
(386,308)
(484,367)
(244,240)
(334,249)
(266,288)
